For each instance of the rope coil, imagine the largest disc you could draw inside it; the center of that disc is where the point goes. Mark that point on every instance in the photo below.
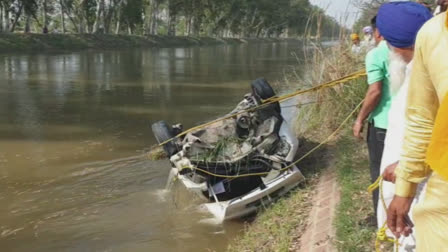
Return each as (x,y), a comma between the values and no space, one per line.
(381,235)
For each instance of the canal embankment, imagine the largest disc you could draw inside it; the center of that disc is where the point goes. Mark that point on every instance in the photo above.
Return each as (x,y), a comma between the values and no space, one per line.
(16,42)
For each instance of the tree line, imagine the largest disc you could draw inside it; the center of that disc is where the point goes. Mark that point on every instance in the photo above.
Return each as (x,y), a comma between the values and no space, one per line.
(221,18)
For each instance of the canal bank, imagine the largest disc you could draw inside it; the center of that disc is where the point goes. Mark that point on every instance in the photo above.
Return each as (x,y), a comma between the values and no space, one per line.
(15,42)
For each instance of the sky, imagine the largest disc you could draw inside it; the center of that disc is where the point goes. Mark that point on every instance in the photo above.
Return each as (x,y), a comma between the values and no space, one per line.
(345,12)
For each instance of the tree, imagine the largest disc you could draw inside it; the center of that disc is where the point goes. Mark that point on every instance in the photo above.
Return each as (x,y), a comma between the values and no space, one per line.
(368,10)
(151,17)
(173,11)
(99,16)
(225,18)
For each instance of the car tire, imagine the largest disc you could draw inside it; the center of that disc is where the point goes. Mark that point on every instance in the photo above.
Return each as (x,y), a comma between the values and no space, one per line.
(162,133)
(263,90)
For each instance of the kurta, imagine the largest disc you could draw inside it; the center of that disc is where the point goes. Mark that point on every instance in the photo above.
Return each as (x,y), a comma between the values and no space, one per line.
(428,88)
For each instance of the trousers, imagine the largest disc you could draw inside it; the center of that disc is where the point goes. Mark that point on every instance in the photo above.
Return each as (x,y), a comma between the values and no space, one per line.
(375,144)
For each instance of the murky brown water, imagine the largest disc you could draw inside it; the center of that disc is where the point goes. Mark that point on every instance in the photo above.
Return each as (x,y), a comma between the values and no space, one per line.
(74,128)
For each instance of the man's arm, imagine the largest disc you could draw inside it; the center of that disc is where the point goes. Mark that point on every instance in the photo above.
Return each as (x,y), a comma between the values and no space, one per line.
(421,112)
(375,77)
(371,100)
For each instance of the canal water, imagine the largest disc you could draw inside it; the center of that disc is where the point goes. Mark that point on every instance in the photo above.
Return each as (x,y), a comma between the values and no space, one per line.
(74,130)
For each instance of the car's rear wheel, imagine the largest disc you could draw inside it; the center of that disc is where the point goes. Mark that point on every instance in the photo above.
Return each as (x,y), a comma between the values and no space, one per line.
(263,90)
(162,133)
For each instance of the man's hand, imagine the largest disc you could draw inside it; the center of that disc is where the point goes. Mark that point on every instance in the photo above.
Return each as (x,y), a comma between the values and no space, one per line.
(398,219)
(357,129)
(389,173)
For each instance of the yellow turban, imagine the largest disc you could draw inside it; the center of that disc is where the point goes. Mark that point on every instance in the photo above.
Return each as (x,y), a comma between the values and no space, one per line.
(354,36)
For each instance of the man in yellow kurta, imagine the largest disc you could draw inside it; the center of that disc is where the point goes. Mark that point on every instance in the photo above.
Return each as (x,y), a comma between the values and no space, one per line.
(427,125)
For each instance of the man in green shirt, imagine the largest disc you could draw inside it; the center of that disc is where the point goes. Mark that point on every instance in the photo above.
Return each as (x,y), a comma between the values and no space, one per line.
(376,107)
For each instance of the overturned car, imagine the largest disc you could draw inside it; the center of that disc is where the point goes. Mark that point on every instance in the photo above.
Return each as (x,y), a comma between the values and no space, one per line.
(240,162)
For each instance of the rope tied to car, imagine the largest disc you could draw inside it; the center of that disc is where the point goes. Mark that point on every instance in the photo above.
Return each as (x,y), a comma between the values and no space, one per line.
(342,80)
(381,234)
(328,139)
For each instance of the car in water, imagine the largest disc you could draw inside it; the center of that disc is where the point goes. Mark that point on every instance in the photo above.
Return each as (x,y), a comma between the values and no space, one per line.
(239,162)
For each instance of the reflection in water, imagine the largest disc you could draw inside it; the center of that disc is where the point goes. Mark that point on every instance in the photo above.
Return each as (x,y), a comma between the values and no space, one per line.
(73,131)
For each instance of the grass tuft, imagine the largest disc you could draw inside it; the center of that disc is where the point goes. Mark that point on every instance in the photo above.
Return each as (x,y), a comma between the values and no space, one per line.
(156,153)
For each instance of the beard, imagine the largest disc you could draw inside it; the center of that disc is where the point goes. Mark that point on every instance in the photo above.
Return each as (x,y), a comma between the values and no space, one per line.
(397,71)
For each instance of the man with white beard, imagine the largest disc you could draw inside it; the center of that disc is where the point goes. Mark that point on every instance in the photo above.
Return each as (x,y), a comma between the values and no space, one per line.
(400,66)
(400,77)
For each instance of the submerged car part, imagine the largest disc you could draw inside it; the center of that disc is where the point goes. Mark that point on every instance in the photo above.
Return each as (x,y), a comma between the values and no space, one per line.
(238,161)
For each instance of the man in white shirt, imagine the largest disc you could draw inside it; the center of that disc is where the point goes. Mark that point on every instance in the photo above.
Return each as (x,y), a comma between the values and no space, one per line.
(400,66)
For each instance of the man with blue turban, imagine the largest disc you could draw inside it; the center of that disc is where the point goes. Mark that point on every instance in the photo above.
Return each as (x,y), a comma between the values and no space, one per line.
(424,153)
(399,23)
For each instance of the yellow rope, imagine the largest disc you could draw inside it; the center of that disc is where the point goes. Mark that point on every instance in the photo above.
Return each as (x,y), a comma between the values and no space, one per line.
(292,164)
(375,185)
(381,235)
(272,100)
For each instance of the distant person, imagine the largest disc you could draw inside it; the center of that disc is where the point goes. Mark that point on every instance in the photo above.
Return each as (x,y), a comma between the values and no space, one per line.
(412,18)
(375,109)
(368,42)
(45,30)
(356,47)
(425,146)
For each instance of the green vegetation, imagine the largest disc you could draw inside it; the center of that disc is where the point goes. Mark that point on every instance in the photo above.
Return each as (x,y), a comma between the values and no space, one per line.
(156,153)
(213,18)
(354,231)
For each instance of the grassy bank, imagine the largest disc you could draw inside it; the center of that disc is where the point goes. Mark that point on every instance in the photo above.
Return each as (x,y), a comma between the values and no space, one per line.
(11,42)
(353,217)
(354,231)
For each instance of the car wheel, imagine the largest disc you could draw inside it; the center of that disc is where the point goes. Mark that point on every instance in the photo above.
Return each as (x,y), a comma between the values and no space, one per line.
(162,133)
(263,90)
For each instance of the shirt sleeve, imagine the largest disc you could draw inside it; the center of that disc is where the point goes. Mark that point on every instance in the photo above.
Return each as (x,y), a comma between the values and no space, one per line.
(421,111)
(374,68)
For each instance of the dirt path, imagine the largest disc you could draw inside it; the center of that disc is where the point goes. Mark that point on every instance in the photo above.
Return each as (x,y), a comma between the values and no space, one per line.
(320,233)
